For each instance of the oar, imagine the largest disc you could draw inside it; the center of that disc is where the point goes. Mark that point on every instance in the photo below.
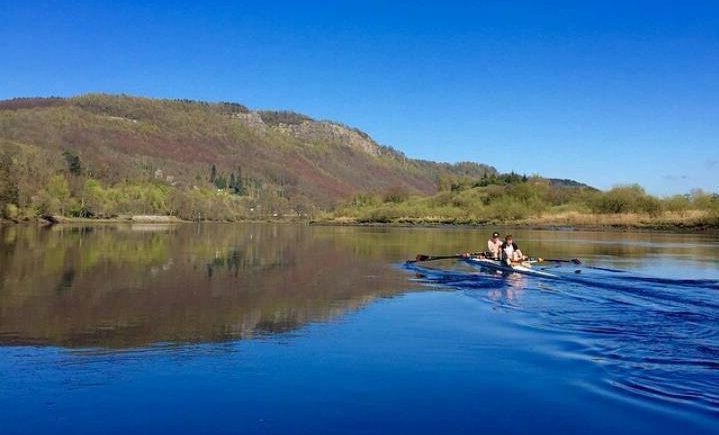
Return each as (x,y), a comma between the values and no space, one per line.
(578,261)
(424,257)
(556,260)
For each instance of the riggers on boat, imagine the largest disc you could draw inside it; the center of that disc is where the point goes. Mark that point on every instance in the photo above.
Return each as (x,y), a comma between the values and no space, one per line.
(523,267)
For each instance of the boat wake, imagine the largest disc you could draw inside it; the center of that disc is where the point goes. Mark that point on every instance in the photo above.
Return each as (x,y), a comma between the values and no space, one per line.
(657,339)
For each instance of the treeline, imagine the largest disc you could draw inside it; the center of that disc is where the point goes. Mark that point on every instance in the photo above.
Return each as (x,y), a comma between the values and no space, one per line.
(456,184)
(30,186)
(277,117)
(510,198)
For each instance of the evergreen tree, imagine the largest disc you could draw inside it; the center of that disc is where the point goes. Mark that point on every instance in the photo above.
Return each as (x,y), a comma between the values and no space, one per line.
(74,165)
(221,182)
(239,187)
(213,173)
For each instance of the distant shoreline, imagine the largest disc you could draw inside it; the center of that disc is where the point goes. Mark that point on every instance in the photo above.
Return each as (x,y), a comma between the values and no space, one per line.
(144,219)
(545,226)
(687,222)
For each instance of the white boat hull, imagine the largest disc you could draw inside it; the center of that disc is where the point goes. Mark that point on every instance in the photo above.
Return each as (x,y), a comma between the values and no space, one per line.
(523,268)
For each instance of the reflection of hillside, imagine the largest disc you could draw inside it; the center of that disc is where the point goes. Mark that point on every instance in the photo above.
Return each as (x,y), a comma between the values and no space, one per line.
(116,286)
(110,286)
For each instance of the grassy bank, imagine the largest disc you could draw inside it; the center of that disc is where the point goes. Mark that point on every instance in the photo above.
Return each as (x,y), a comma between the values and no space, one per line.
(695,221)
(532,202)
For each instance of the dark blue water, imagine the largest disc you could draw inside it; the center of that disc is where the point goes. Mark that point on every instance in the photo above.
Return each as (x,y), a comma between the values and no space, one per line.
(366,345)
(656,339)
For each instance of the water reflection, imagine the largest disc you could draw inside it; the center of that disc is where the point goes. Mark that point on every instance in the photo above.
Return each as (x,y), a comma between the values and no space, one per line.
(122,286)
(599,350)
(510,294)
(132,285)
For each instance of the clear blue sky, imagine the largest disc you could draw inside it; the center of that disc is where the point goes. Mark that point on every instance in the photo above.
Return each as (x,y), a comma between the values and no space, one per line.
(603,92)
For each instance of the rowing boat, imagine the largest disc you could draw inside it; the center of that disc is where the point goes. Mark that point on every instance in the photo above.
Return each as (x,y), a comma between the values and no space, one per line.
(524,267)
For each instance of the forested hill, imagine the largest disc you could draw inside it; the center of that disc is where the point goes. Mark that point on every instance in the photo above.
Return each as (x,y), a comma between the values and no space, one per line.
(107,154)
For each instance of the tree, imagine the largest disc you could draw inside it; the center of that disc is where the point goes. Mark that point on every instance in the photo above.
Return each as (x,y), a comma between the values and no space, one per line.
(232,183)
(395,194)
(59,192)
(74,165)
(221,182)
(9,191)
(93,199)
(213,173)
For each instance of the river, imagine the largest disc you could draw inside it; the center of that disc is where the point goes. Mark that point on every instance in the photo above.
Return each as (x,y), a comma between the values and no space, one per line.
(261,328)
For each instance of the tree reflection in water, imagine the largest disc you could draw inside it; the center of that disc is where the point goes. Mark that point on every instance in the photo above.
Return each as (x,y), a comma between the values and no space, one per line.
(125,286)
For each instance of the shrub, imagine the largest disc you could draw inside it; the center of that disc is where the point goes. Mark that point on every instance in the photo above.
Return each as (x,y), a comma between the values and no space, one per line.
(649,204)
(620,199)
(395,195)
(10,211)
(507,209)
(677,204)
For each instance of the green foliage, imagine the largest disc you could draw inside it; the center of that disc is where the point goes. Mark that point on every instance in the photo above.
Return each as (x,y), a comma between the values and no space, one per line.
(626,199)
(363,200)
(677,203)
(508,208)
(277,117)
(510,197)
(57,195)
(118,138)
(220,182)
(705,201)
(395,194)
(153,156)
(470,179)
(74,165)
(9,190)
(10,211)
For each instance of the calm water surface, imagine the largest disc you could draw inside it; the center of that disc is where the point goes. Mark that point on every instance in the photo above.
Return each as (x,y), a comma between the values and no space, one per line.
(295,329)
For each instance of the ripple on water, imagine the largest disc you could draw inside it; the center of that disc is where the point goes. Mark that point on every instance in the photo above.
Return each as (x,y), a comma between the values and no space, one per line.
(657,339)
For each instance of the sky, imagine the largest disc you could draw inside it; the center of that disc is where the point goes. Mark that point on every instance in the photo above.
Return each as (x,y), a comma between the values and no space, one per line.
(602,92)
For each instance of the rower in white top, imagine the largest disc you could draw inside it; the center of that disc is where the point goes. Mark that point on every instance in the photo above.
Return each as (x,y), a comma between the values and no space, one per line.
(494,247)
(511,252)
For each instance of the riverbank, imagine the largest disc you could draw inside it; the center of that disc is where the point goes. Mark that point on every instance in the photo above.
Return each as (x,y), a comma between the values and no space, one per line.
(54,220)
(134,219)
(689,222)
(693,221)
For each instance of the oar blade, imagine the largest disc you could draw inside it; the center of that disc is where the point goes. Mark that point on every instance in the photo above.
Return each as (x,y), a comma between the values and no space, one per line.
(424,257)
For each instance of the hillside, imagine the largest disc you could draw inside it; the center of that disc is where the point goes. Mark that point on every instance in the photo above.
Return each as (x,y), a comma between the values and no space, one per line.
(175,149)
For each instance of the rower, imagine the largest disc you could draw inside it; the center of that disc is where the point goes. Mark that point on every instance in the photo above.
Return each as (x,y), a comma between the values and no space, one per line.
(494,247)
(510,251)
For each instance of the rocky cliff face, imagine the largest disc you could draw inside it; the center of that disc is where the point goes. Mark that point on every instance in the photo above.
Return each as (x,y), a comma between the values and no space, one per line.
(309,130)
(332,133)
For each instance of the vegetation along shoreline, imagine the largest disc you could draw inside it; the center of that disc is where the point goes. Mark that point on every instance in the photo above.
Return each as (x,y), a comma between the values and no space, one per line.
(99,158)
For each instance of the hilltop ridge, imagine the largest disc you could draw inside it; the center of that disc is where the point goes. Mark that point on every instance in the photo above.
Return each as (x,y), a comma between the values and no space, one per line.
(281,159)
